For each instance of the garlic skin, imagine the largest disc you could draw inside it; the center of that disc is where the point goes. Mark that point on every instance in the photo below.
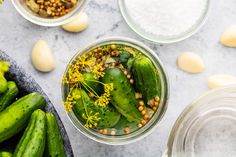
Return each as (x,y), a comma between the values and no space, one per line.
(78,24)
(228,38)
(190,62)
(220,80)
(42,57)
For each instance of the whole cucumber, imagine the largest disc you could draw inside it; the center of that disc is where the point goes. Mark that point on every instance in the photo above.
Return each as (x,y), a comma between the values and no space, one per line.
(4,67)
(33,141)
(3,84)
(5,154)
(123,95)
(54,145)
(15,117)
(91,82)
(7,98)
(146,78)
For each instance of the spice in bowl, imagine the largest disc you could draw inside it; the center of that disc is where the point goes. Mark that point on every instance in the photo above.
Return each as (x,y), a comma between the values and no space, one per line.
(164,20)
(113,89)
(51,8)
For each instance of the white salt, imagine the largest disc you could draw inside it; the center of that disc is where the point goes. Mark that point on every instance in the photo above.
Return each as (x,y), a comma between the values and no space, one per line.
(166,17)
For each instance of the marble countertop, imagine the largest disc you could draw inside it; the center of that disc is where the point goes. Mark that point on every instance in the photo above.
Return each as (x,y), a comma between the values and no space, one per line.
(18,35)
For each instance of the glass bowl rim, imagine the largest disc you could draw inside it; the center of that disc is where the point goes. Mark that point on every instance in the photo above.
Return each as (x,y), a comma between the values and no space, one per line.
(191,107)
(182,37)
(47,21)
(122,140)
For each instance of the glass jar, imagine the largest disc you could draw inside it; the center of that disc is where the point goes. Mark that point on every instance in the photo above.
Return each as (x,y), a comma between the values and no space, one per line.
(152,123)
(207,127)
(22,8)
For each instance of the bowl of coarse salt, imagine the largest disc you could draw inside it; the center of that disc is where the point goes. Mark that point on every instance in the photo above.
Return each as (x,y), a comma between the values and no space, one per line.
(165,21)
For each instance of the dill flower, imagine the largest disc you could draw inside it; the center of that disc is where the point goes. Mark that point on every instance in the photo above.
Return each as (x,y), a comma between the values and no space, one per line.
(70,101)
(91,119)
(98,70)
(84,61)
(104,99)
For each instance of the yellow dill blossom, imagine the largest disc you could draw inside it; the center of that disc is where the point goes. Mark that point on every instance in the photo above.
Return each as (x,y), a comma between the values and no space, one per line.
(75,77)
(104,99)
(108,88)
(91,119)
(70,101)
(84,61)
(98,70)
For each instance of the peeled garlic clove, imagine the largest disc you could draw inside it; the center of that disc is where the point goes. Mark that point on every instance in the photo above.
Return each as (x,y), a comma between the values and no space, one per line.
(42,57)
(221,80)
(190,62)
(228,38)
(78,24)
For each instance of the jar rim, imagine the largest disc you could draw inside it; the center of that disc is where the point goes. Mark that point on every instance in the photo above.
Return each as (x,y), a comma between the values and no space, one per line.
(142,132)
(194,109)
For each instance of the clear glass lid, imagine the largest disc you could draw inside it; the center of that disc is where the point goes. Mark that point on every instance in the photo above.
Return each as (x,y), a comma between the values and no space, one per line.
(207,127)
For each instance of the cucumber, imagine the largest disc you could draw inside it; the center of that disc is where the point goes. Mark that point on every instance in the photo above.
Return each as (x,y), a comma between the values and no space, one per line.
(4,67)
(108,115)
(15,117)
(124,123)
(92,82)
(124,57)
(54,145)
(33,140)
(3,84)
(5,154)
(123,95)
(146,78)
(7,98)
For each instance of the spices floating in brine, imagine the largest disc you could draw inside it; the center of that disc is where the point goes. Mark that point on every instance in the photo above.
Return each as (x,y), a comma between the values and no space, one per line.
(113,89)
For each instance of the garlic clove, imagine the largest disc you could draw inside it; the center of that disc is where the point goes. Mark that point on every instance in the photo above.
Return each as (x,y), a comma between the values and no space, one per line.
(190,62)
(78,24)
(220,80)
(228,38)
(42,57)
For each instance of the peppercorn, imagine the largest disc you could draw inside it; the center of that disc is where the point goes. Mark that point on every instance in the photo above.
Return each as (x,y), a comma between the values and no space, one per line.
(140,108)
(54,8)
(131,81)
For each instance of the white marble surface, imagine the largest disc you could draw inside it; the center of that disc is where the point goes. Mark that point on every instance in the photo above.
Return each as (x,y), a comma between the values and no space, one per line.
(18,35)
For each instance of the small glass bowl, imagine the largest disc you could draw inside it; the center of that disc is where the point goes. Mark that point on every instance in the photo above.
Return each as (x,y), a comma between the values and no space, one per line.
(23,9)
(146,129)
(162,39)
(207,127)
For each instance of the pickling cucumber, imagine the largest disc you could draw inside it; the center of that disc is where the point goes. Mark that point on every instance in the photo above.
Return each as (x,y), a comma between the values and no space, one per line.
(124,57)
(4,67)
(146,78)
(5,154)
(90,82)
(32,143)
(3,84)
(54,145)
(7,98)
(15,117)
(123,95)
(108,115)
